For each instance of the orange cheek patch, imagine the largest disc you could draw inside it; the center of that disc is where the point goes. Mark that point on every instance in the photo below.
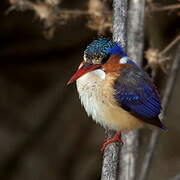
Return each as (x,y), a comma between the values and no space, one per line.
(113,64)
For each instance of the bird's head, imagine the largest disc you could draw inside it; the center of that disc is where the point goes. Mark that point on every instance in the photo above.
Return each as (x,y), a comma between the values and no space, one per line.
(97,55)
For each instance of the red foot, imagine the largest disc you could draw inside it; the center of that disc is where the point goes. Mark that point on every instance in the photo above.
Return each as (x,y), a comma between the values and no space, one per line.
(115,138)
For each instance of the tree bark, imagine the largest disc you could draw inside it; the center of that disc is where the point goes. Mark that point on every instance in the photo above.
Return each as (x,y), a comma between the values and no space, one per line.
(135,42)
(111,153)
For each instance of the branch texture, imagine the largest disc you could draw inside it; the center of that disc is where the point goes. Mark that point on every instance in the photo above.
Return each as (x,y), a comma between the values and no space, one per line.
(110,160)
(111,154)
(120,21)
(135,41)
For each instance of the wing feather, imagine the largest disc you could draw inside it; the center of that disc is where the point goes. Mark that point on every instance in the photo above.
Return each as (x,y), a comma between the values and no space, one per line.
(136,93)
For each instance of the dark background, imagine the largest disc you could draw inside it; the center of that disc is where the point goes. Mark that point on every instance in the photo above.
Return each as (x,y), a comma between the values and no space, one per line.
(44,132)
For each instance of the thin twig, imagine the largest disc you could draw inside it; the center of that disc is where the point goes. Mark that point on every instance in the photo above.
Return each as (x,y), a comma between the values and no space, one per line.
(111,153)
(165,8)
(73,12)
(170,45)
(166,98)
(135,31)
(52,15)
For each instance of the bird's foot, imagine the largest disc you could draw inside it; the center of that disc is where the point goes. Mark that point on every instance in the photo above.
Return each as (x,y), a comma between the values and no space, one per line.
(115,138)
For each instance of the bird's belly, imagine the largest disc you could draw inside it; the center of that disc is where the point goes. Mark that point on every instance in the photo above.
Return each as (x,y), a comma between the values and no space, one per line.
(97,98)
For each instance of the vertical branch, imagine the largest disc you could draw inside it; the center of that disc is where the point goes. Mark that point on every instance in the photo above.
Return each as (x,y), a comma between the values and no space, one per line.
(166,98)
(135,41)
(120,22)
(111,153)
(110,160)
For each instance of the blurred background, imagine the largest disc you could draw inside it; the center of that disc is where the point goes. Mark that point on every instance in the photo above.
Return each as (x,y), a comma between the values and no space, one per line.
(44,131)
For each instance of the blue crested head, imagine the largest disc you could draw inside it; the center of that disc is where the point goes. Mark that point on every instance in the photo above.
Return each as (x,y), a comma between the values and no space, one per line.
(117,50)
(99,50)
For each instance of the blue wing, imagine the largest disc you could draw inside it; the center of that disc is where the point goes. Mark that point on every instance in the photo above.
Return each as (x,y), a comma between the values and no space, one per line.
(135,92)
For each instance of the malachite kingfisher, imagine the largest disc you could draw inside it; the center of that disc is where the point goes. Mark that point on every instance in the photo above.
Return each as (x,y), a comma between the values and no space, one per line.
(114,90)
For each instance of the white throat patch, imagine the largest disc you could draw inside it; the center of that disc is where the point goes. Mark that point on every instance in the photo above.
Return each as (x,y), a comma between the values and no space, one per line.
(100,73)
(123,60)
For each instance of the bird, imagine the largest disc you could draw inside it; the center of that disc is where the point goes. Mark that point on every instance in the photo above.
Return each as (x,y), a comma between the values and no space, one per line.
(115,91)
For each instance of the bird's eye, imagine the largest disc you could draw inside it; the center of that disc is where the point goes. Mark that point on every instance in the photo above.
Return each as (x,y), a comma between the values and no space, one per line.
(105,59)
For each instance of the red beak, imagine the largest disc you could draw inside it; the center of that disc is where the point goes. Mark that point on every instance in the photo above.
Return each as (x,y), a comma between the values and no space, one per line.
(83,70)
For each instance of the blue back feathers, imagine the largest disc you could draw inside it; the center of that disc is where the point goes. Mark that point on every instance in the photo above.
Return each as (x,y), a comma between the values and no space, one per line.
(135,92)
(102,48)
(117,50)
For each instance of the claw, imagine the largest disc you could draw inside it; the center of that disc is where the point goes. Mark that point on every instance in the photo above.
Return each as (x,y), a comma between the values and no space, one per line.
(115,138)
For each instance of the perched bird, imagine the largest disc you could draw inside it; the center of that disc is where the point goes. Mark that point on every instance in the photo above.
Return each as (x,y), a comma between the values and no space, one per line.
(114,90)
